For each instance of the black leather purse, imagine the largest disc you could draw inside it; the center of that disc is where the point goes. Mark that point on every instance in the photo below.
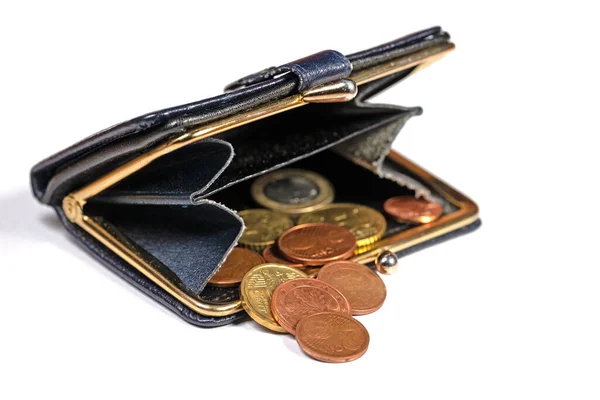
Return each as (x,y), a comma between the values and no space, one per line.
(153,198)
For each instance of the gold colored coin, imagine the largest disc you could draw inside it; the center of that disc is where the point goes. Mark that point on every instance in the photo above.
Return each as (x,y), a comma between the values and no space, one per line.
(366,224)
(292,191)
(263,227)
(257,289)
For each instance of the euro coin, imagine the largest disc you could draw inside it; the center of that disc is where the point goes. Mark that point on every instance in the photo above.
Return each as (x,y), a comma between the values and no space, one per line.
(332,337)
(366,224)
(361,286)
(292,191)
(263,227)
(257,289)
(272,255)
(413,210)
(298,298)
(238,262)
(317,244)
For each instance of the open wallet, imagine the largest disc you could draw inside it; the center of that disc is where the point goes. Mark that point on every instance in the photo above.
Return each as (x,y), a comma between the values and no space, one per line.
(156,198)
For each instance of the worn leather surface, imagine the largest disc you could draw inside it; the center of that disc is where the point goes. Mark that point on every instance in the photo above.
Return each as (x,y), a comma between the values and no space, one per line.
(397,48)
(58,175)
(314,70)
(329,63)
(163,209)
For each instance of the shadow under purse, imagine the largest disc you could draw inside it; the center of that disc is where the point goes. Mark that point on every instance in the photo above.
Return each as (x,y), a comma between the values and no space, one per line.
(153,198)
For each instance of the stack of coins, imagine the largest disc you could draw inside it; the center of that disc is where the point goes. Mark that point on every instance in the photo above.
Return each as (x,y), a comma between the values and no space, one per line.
(307,197)
(317,311)
(301,235)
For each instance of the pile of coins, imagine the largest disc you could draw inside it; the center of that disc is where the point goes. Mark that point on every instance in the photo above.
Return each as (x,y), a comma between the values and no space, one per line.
(302,235)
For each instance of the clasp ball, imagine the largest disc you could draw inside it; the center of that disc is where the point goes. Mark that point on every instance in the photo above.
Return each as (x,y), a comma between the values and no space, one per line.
(387,263)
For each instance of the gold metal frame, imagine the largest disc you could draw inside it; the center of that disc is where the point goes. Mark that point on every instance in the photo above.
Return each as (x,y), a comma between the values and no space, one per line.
(343,90)
(467,212)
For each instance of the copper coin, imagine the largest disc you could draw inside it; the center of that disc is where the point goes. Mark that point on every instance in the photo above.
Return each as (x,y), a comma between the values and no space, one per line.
(272,255)
(298,298)
(332,337)
(317,244)
(363,288)
(412,210)
(238,262)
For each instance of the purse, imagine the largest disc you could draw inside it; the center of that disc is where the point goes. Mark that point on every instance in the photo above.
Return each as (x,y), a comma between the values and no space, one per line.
(153,198)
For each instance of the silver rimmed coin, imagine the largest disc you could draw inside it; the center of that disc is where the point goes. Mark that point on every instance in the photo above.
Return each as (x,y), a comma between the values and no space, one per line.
(292,191)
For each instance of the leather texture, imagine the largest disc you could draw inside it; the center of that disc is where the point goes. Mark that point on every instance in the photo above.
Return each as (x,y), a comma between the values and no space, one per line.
(314,70)
(139,281)
(179,210)
(186,242)
(58,175)
(397,48)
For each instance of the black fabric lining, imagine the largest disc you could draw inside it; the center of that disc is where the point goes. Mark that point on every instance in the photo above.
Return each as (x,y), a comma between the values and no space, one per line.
(261,146)
(174,177)
(281,140)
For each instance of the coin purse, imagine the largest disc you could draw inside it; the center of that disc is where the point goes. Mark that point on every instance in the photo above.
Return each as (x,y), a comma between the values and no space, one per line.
(155,198)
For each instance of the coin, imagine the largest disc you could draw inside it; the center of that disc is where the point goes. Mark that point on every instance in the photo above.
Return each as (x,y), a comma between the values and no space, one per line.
(271,254)
(332,337)
(257,289)
(263,227)
(366,224)
(238,262)
(292,191)
(362,287)
(412,210)
(316,244)
(299,298)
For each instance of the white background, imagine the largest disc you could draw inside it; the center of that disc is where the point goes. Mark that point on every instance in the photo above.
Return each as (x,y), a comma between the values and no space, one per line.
(510,311)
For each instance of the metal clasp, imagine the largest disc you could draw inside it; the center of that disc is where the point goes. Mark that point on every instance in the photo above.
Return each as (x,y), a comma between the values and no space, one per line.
(334,92)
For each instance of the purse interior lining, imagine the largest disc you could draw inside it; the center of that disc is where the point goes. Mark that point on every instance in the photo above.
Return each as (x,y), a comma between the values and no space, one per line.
(192,241)
(179,209)
(197,171)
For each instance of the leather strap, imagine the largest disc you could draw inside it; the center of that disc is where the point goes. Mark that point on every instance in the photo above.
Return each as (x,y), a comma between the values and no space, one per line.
(314,70)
